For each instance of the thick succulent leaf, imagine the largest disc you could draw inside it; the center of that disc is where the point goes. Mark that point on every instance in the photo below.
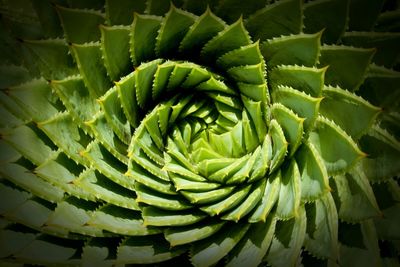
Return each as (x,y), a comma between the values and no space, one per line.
(115,115)
(74,30)
(101,187)
(232,37)
(279,18)
(30,142)
(51,57)
(251,250)
(289,237)
(336,148)
(46,249)
(36,98)
(13,240)
(314,177)
(279,145)
(356,61)
(115,50)
(144,82)
(13,75)
(301,103)
(189,234)
(245,55)
(91,67)
(331,16)
(15,197)
(290,193)
(119,221)
(211,250)
(173,28)
(24,178)
(352,113)
(120,12)
(322,229)
(383,155)
(66,135)
(157,217)
(202,30)
(307,80)
(127,95)
(355,196)
(386,45)
(76,98)
(231,10)
(265,205)
(291,124)
(99,251)
(143,34)
(299,49)
(146,250)
(48,18)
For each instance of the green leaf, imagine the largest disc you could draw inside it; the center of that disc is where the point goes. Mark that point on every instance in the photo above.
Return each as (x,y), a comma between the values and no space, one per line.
(211,250)
(245,55)
(279,145)
(356,61)
(78,24)
(115,50)
(146,250)
(106,137)
(75,96)
(355,195)
(13,75)
(144,82)
(251,250)
(191,233)
(102,188)
(383,154)
(336,148)
(15,197)
(279,18)
(385,44)
(307,80)
(46,249)
(289,237)
(314,176)
(36,99)
(24,178)
(255,92)
(291,124)
(232,37)
(268,200)
(159,200)
(30,142)
(202,30)
(120,12)
(111,104)
(73,215)
(179,74)
(143,35)
(290,193)
(51,57)
(302,104)
(228,203)
(67,135)
(173,29)
(62,172)
(322,229)
(331,16)
(91,66)
(161,78)
(107,164)
(12,241)
(299,49)
(157,217)
(253,74)
(119,221)
(126,88)
(257,191)
(352,113)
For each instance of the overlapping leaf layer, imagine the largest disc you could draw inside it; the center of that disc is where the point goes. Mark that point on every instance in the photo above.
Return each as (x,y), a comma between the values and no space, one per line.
(200,132)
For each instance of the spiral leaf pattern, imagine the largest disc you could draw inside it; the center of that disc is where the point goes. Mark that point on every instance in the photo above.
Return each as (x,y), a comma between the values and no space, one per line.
(199,132)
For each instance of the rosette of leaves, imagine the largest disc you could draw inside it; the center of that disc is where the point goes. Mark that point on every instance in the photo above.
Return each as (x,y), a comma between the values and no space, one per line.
(200,132)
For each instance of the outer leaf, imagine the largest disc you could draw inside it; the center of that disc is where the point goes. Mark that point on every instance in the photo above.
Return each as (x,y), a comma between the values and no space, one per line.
(120,12)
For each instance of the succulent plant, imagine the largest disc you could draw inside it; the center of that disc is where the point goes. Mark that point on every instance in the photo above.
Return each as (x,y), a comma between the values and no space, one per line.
(200,132)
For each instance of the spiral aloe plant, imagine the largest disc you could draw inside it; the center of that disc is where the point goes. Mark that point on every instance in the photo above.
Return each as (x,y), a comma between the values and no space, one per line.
(200,132)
